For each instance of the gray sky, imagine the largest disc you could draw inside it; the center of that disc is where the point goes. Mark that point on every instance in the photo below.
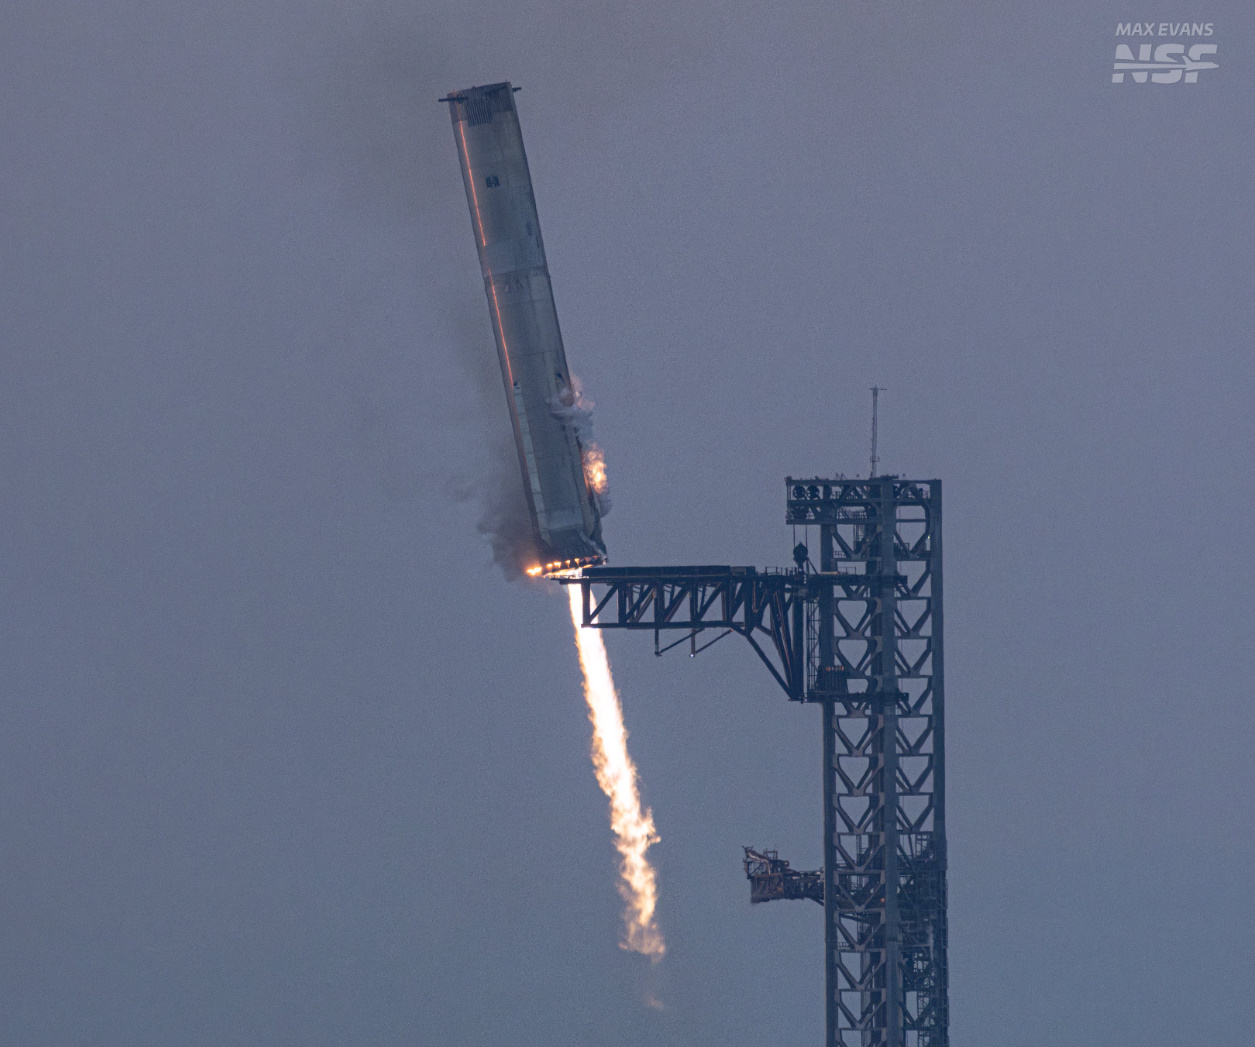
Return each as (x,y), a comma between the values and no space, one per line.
(286,762)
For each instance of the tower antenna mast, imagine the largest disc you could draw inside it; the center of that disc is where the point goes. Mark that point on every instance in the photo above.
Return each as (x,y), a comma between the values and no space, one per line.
(876,391)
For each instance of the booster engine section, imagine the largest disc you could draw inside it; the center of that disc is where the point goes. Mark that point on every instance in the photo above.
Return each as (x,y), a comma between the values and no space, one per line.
(542,398)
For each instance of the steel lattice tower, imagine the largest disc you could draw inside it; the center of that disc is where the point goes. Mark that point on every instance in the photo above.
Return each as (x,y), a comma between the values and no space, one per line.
(860,636)
(875,632)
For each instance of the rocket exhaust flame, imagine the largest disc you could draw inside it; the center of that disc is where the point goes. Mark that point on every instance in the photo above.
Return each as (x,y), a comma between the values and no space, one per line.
(616,774)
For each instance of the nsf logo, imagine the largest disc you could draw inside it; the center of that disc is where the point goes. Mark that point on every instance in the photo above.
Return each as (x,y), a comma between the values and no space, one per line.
(1166,63)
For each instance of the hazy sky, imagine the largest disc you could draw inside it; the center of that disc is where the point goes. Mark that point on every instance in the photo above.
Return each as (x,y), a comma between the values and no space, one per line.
(284,760)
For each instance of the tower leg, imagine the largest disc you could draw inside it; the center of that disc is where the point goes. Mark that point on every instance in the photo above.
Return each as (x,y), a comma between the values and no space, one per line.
(831,944)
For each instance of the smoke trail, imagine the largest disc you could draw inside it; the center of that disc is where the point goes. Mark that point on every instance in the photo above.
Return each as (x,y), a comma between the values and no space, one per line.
(616,774)
(503,516)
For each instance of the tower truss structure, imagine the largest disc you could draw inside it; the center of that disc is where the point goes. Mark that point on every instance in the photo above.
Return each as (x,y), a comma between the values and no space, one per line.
(859,635)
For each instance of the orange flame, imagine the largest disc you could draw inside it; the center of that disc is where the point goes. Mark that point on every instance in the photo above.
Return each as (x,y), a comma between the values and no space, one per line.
(595,468)
(633,827)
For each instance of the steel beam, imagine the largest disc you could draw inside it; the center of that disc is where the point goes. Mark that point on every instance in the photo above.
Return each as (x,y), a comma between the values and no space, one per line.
(765,607)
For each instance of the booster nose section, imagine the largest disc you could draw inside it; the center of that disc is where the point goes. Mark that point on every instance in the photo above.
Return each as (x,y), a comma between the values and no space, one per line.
(566,519)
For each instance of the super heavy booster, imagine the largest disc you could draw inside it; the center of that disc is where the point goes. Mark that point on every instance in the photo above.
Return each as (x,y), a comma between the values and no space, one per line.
(542,399)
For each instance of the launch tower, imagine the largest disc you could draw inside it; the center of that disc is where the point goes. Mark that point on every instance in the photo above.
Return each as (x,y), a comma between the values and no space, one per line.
(859,635)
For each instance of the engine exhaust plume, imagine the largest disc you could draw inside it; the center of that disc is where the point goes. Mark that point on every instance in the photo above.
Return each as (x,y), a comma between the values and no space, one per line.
(616,774)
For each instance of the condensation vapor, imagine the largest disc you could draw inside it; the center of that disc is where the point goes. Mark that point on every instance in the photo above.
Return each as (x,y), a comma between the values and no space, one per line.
(633,827)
